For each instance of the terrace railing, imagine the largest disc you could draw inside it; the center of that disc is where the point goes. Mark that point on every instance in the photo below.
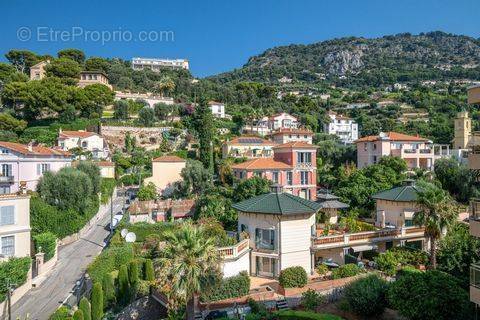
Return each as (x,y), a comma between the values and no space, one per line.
(233,252)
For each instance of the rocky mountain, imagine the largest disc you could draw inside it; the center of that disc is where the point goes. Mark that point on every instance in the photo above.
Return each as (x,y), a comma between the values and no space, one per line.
(366,62)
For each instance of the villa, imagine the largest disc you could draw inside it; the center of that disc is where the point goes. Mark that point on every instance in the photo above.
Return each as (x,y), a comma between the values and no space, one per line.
(165,172)
(418,152)
(14,226)
(24,164)
(85,140)
(292,135)
(267,125)
(248,147)
(293,168)
(342,126)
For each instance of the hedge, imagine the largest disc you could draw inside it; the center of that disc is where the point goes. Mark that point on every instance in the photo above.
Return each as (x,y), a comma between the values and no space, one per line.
(345,271)
(305,315)
(232,287)
(46,242)
(293,277)
(144,229)
(109,260)
(14,270)
(367,296)
(107,185)
(61,313)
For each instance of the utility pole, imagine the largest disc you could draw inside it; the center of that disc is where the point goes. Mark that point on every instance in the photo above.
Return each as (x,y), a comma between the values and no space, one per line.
(9,298)
(111,215)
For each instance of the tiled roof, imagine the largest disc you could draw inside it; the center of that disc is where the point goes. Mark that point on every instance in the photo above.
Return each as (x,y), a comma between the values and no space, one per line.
(178,208)
(249,140)
(277,204)
(214,102)
(292,131)
(169,159)
(261,163)
(105,164)
(35,150)
(405,193)
(296,144)
(392,136)
(76,134)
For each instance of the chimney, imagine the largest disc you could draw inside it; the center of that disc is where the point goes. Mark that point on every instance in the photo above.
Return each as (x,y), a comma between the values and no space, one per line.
(30,146)
(23,187)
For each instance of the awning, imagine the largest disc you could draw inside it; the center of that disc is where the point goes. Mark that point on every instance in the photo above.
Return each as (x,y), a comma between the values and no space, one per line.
(366,247)
(408,214)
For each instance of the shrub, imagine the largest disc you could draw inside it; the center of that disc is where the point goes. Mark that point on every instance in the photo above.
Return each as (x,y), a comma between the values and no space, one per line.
(15,270)
(391,260)
(143,289)
(46,242)
(367,296)
(429,295)
(61,313)
(345,271)
(107,186)
(147,192)
(109,260)
(311,299)
(97,302)
(108,286)
(78,315)
(293,277)
(93,172)
(322,270)
(133,273)
(149,271)
(231,287)
(86,309)
(123,286)
(305,315)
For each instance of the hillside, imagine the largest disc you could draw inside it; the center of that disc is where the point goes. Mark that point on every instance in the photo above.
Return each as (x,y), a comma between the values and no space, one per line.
(366,62)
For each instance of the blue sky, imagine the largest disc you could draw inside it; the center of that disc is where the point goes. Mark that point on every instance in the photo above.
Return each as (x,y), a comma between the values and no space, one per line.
(218,36)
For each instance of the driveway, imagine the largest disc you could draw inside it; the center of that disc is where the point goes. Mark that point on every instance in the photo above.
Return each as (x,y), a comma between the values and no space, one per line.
(73,259)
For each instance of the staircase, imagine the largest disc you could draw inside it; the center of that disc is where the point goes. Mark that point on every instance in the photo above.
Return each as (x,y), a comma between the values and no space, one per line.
(198,316)
(282,304)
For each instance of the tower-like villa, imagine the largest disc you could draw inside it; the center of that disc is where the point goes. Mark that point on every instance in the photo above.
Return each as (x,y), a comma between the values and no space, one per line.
(463,130)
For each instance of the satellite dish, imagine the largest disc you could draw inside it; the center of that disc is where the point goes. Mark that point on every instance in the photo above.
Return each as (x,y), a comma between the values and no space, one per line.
(124,233)
(130,237)
(114,222)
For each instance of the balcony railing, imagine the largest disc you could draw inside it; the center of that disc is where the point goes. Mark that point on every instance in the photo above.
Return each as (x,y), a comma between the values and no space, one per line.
(7,179)
(234,251)
(356,238)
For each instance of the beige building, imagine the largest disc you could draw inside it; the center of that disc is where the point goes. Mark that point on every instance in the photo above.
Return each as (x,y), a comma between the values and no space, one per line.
(248,146)
(107,169)
(37,71)
(165,172)
(292,135)
(14,226)
(463,131)
(93,77)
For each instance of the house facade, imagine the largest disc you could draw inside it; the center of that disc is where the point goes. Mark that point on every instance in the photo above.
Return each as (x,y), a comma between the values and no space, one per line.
(24,165)
(267,125)
(418,152)
(156,65)
(165,172)
(37,71)
(87,141)
(292,135)
(250,147)
(14,226)
(107,169)
(293,168)
(93,77)
(345,128)
(217,108)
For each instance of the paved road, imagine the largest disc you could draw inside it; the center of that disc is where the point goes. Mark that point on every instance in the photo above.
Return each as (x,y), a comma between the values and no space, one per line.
(73,260)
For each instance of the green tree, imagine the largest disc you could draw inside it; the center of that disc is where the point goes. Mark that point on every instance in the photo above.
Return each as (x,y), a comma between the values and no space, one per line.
(190,262)
(195,179)
(93,172)
(22,60)
(162,110)
(123,285)
(367,296)
(436,213)
(204,126)
(120,108)
(147,192)
(97,301)
(218,207)
(73,54)
(149,270)
(97,64)
(457,178)
(146,117)
(65,69)
(92,99)
(78,315)
(9,123)
(133,273)
(108,286)
(251,187)
(84,305)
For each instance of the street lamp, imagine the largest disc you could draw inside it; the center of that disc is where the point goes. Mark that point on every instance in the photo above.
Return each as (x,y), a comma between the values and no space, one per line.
(78,283)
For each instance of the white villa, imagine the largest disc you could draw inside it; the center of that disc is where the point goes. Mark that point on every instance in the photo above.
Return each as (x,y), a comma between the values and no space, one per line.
(87,141)
(267,125)
(343,127)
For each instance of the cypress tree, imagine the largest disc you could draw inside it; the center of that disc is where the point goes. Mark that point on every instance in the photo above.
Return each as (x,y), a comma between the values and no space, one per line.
(123,285)
(149,271)
(97,302)
(85,307)
(78,315)
(108,286)
(133,273)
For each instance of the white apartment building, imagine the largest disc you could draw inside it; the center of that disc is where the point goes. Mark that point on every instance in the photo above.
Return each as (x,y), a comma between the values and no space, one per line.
(14,226)
(88,141)
(343,127)
(157,64)
(218,109)
(267,125)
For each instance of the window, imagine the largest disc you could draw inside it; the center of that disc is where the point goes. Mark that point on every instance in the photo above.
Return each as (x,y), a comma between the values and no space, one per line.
(374,159)
(243,228)
(5,151)
(289,178)
(4,189)
(84,144)
(7,215)
(42,168)
(265,239)
(365,146)
(374,146)
(6,170)
(304,157)
(303,177)
(275,176)
(258,173)
(408,223)
(8,245)
(266,266)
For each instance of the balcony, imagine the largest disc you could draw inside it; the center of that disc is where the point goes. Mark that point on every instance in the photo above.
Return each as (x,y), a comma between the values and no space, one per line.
(475,283)
(7,179)
(475,218)
(235,251)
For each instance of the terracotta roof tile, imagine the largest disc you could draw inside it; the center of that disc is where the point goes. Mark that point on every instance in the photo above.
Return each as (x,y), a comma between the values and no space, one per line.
(105,164)
(76,134)
(261,163)
(393,136)
(34,151)
(296,144)
(169,159)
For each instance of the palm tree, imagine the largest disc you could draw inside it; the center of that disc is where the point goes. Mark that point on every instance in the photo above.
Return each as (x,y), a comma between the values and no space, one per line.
(437,211)
(189,263)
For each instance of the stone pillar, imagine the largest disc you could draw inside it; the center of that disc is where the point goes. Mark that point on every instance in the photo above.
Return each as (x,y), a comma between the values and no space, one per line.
(39,260)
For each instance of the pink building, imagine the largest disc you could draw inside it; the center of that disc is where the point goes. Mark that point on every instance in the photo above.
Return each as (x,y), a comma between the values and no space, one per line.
(418,152)
(21,163)
(293,167)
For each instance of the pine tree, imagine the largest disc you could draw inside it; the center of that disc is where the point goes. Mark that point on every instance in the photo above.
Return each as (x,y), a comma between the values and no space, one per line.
(108,286)
(78,315)
(85,307)
(97,302)
(123,285)
(149,271)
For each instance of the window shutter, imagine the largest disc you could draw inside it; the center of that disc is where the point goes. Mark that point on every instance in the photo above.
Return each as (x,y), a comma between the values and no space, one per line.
(7,216)
(257,235)
(272,238)
(48,166)
(39,169)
